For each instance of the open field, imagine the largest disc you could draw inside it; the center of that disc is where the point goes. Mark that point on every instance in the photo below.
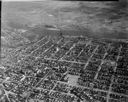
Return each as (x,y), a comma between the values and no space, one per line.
(102,19)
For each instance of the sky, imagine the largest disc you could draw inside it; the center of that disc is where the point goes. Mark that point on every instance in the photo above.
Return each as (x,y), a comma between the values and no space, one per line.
(22,0)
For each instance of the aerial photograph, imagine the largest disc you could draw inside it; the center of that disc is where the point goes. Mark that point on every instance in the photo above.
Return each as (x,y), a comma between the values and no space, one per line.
(64,51)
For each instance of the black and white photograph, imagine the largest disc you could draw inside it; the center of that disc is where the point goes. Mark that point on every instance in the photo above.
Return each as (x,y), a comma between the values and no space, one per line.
(64,51)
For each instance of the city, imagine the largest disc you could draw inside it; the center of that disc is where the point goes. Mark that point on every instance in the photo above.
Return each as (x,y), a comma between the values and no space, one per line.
(71,69)
(64,51)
